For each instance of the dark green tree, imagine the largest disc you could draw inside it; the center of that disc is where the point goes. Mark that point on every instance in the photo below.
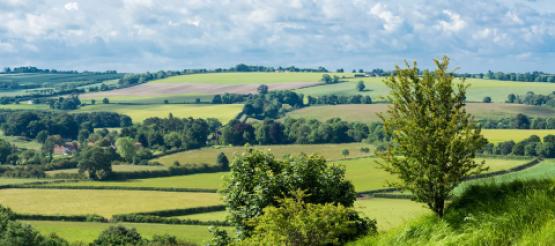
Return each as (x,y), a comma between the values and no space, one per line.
(96,161)
(361,86)
(222,161)
(118,235)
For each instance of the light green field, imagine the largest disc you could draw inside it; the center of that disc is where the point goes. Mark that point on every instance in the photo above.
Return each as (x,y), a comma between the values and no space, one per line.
(5,181)
(497,90)
(172,99)
(211,216)
(201,180)
(367,113)
(86,232)
(138,113)
(208,155)
(102,202)
(500,135)
(366,174)
(248,78)
(21,142)
(115,168)
(24,106)
(390,213)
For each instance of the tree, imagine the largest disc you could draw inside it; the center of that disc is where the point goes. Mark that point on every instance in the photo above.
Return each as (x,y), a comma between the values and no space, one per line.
(486,100)
(222,161)
(345,152)
(125,147)
(361,86)
(262,89)
(433,139)
(96,161)
(326,78)
(106,100)
(521,121)
(511,98)
(118,235)
(257,179)
(93,102)
(295,222)
(50,143)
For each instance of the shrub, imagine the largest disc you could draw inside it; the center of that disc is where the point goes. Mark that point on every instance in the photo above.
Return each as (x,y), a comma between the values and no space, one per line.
(118,235)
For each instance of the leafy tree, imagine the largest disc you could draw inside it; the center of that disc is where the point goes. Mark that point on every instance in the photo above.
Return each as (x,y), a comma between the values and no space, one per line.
(295,222)
(222,161)
(106,101)
(50,143)
(326,78)
(433,139)
(118,235)
(361,86)
(487,100)
(41,136)
(125,147)
(17,234)
(511,98)
(257,179)
(262,89)
(7,151)
(521,122)
(96,161)
(345,152)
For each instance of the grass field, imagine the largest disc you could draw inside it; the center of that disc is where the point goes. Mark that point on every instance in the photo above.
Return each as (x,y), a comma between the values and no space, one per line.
(500,135)
(5,181)
(497,90)
(390,213)
(211,216)
(86,232)
(208,155)
(115,168)
(248,78)
(201,180)
(25,106)
(367,113)
(172,99)
(21,142)
(138,113)
(102,202)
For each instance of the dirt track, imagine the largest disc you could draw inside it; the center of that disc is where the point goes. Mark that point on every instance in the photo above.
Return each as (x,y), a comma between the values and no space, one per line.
(162,89)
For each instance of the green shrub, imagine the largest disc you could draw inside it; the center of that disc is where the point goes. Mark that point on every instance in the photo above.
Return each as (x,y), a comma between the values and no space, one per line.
(118,235)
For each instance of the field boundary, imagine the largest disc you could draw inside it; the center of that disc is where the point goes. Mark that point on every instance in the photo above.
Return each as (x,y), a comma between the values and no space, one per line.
(115,187)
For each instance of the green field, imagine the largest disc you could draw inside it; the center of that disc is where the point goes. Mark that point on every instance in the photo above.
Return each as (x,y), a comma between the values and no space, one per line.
(102,202)
(208,155)
(87,232)
(21,142)
(201,180)
(211,216)
(25,106)
(248,78)
(390,213)
(115,168)
(138,113)
(500,135)
(367,113)
(497,90)
(5,181)
(172,99)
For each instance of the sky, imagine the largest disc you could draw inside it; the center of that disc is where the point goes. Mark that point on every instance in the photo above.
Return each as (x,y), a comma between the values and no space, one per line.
(148,35)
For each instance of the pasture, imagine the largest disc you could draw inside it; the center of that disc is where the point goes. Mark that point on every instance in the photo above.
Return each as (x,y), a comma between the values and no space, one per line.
(367,113)
(101,202)
(138,113)
(25,106)
(390,213)
(86,232)
(115,168)
(248,78)
(208,155)
(500,135)
(6,181)
(21,142)
(210,216)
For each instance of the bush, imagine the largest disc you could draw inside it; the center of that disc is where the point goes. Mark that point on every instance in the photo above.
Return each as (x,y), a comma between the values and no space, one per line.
(118,235)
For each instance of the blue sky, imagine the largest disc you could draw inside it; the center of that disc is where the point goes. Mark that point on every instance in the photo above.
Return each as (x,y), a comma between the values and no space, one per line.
(140,35)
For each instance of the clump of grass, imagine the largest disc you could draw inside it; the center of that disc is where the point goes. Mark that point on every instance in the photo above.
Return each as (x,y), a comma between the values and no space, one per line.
(515,213)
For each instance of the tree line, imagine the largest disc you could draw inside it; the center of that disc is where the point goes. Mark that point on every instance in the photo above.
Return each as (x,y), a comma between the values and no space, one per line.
(531,146)
(530,98)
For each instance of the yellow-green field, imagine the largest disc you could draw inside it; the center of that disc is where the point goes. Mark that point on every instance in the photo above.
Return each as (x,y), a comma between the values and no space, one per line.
(248,78)
(102,202)
(500,135)
(390,213)
(208,155)
(210,216)
(115,168)
(367,113)
(21,142)
(5,181)
(25,106)
(86,232)
(138,113)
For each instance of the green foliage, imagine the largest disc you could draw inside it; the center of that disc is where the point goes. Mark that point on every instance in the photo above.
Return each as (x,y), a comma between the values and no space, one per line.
(345,152)
(433,139)
(118,235)
(295,222)
(257,179)
(125,147)
(222,161)
(361,86)
(486,100)
(96,161)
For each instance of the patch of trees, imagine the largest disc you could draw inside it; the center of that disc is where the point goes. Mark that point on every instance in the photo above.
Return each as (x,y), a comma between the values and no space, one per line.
(524,77)
(520,121)
(532,99)
(31,69)
(328,79)
(271,105)
(133,79)
(334,99)
(13,232)
(229,98)
(532,146)
(65,103)
(30,123)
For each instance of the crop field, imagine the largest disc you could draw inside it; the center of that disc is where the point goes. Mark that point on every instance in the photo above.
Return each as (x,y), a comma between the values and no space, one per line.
(208,155)
(390,213)
(102,202)
(5,181)
(138,113)
(86,232)
(367,113)
(25,106)
(500,135)
(201,180)
(480,88)
(210,216)
(115,168)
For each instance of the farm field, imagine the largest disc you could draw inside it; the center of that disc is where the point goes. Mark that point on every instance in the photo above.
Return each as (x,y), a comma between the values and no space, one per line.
(211,216)
(5,181)
(101,202)
(25,106)
(390,213)
(21,142)
(500,135)
(86,232)
(138,113)
(249,77)
(201,180)
(115,168)
(480,88)
(208,155)
(172,99)
(367,113)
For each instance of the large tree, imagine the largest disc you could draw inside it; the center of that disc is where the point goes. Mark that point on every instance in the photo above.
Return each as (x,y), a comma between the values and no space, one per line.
(433,138)
(96,161)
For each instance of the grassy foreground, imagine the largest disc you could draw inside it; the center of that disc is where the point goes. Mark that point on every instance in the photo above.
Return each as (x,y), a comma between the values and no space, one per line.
(516,213)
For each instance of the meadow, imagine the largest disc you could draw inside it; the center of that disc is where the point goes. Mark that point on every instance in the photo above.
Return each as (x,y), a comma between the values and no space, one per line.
(115,168)
(101,202)
(500,135)
(208,155)
(248,78)
(367,113)
(6,181)
(25,106)
(390,213)
(86,232)
(138,113)
(21,142)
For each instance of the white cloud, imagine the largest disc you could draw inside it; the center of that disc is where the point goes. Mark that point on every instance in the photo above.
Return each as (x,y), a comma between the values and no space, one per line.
(455,23)
(390,21)
(71,6)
